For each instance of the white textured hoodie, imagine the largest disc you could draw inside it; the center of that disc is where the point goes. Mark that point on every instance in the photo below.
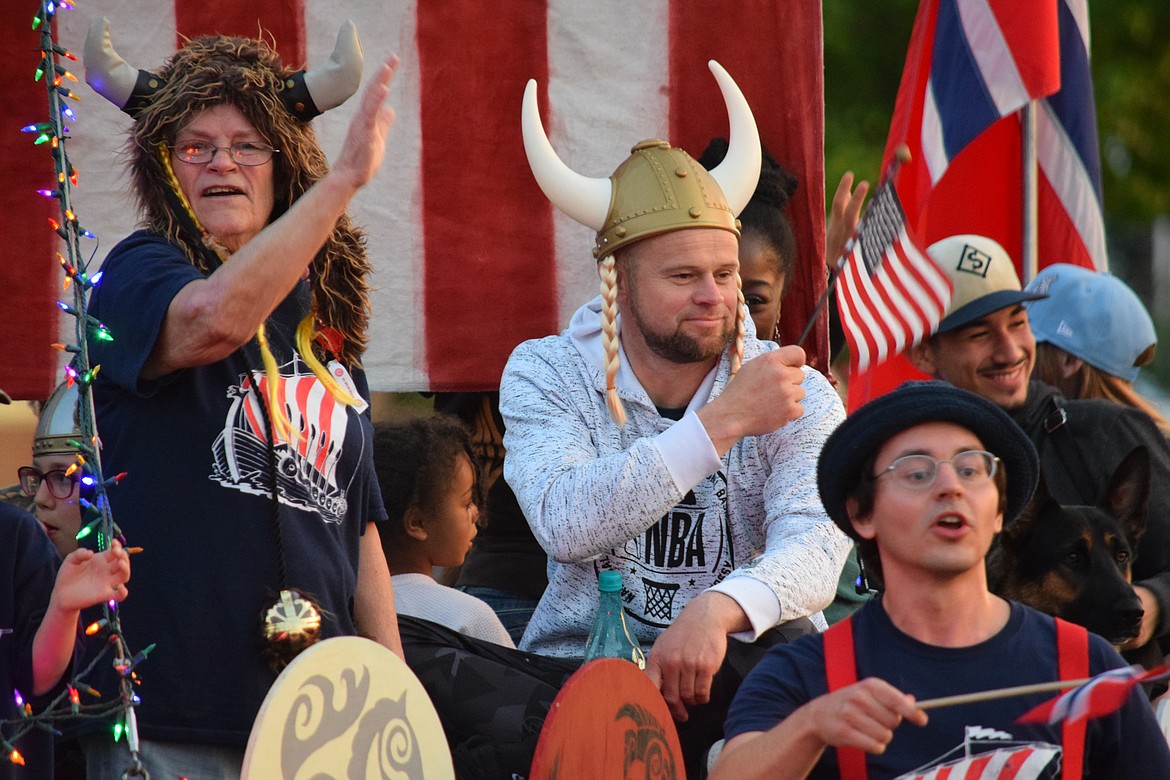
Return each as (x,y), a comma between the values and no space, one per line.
(654,501)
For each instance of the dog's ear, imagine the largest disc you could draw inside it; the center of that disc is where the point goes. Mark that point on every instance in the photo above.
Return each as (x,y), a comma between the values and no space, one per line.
(1020,528)
(1128,493)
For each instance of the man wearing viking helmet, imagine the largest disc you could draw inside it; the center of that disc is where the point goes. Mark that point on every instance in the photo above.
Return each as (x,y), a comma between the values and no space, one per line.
(232,394)
(669,444)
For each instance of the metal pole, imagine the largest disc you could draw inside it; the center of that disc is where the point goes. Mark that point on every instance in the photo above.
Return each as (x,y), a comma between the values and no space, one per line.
(1029,262)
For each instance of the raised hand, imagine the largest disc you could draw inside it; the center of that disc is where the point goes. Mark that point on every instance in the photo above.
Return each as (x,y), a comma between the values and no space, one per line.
(87,578)
(365,141)
(765,395)
(843,217)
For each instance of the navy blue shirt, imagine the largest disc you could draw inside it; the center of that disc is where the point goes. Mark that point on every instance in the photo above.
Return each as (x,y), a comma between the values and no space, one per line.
(198,499)
(28,570)
(1127,744)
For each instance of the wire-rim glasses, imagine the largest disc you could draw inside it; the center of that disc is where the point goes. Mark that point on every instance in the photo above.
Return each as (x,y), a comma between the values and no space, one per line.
(243,153)
(918,472)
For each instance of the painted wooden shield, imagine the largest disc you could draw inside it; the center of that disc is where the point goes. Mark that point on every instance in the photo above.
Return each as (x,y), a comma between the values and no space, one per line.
(608,721)
(347,707)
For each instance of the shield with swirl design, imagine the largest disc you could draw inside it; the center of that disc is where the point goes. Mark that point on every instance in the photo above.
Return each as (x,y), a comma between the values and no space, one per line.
(347,707)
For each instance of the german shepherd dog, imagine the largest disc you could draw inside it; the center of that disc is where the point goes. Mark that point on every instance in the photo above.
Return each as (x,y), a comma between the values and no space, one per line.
(1074,562)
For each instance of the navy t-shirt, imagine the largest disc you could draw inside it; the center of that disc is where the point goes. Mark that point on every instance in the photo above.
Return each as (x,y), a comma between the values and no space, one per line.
(198,499)
(1127,744)
(28,570)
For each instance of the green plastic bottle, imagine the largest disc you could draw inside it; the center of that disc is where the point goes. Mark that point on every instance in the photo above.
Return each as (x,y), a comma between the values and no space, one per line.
(610,635)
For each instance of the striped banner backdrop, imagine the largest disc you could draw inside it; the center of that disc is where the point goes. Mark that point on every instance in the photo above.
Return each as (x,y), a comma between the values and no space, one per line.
(469,257)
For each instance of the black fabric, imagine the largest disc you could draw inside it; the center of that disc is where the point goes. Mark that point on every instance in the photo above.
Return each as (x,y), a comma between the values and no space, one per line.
(492,700)
(1103,433)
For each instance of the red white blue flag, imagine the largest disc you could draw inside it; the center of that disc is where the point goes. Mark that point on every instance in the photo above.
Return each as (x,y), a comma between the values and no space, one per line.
(890,293)
(967,61)
(1100,696)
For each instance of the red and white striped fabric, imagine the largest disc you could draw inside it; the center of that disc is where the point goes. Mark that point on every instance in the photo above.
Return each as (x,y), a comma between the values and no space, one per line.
(890,294)
(469,257)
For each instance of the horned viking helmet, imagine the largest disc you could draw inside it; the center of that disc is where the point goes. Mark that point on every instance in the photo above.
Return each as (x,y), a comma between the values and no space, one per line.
(305,94)
(659,188)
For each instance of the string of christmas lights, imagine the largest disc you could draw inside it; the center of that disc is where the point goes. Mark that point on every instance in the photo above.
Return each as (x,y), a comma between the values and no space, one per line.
(94,504)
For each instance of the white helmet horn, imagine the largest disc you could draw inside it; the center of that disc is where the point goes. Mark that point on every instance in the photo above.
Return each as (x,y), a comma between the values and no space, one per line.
(585,199)
(334,81)
(739,172)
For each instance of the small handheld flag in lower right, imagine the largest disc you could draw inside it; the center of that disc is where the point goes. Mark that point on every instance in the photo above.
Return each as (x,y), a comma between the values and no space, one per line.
(1100,696)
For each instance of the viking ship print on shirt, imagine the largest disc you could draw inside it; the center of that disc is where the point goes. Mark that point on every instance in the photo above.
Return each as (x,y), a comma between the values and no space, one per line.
(306,465)
(687,551)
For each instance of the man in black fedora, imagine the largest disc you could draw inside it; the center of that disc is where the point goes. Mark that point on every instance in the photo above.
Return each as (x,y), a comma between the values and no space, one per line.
(922,479)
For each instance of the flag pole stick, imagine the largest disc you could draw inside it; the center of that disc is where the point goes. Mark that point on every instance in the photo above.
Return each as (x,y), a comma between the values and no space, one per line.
(999,693)
(1030,218)
(836,272)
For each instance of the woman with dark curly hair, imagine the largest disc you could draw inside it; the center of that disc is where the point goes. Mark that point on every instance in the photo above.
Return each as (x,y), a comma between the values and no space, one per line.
(233,394)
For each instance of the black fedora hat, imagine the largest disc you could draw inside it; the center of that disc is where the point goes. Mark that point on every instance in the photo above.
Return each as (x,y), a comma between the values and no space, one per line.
(914,403)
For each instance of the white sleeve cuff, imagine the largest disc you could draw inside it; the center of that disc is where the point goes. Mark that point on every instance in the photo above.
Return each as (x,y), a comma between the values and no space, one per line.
(688,452)
(756,600)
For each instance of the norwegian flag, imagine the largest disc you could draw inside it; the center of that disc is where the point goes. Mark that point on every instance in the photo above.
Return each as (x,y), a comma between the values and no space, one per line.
(1100,696)
(890,293)
(469,256)
(983,65)
(968,61)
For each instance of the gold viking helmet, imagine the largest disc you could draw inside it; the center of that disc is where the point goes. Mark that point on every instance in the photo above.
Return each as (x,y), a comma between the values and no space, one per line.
(658,189)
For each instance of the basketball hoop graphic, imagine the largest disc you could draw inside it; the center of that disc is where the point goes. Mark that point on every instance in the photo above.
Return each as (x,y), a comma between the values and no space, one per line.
(660,600)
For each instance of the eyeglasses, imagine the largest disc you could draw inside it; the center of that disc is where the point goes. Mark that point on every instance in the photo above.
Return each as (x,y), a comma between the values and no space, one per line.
(60,486)
(243,153)
(917,472)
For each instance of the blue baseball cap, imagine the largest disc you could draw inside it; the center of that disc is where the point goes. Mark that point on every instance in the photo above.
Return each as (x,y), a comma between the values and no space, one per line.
(1093,316)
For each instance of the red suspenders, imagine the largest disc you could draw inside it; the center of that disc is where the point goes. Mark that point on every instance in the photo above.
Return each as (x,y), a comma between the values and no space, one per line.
(841,670)
(1072,658)
(1072,651)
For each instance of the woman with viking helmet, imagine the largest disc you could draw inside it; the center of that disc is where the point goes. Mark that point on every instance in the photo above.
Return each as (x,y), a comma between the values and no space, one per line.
(233,395)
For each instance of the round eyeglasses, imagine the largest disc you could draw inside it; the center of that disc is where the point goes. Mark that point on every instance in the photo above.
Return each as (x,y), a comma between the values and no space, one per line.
(60,485)
(243,153)
(917,472)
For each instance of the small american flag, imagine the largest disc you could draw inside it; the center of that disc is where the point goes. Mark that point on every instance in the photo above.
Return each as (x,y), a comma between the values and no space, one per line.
(890,293)
(1100,696)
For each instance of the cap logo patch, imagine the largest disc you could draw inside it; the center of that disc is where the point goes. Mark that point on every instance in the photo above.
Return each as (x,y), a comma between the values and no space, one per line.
(974,261)
(1042,285)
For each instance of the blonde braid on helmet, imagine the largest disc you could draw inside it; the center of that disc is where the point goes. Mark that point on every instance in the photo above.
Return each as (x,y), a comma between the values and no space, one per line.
(609,338)
(740,318)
